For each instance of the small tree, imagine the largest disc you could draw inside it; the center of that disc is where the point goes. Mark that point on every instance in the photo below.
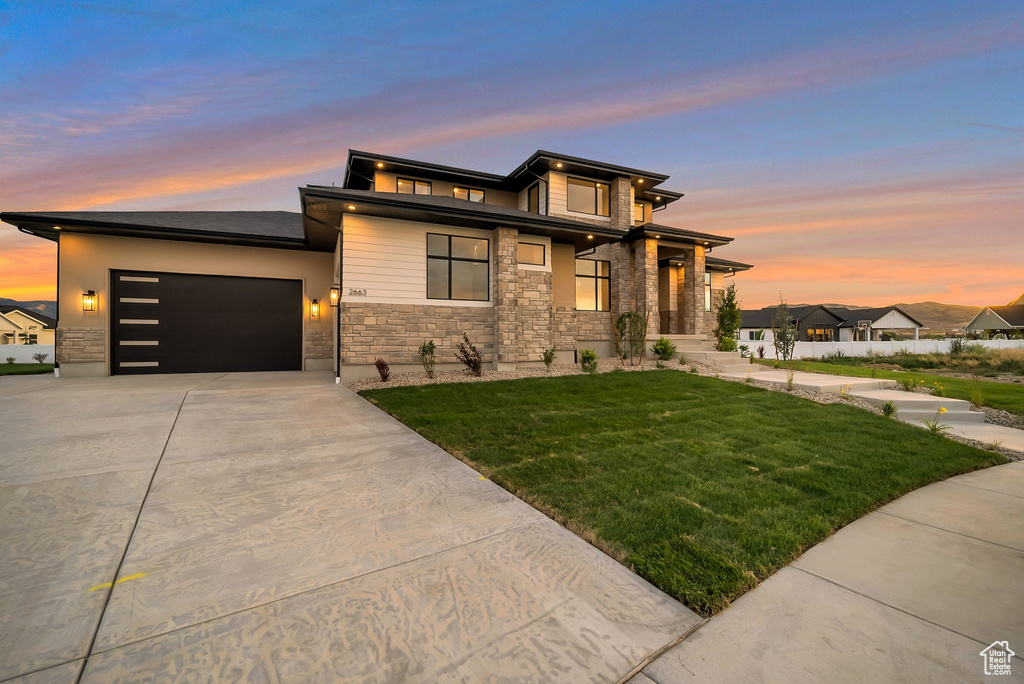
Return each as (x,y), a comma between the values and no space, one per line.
(470,356)
(427,358)
(40,357)
(632,327)
(588,361)
(548,357)
(784,331)
(729,320)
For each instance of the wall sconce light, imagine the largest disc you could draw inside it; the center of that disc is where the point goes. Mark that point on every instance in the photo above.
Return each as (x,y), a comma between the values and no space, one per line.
(88,301)
(314,308)
(335,295)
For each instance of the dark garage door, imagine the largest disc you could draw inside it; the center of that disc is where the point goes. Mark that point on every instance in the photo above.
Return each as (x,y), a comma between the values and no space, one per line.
(180,323)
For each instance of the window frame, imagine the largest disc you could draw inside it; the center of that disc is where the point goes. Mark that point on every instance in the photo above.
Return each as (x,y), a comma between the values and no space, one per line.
(529,190)
(597,205)
(543,253)
(450,259)
(707,291)
(483,194)
(597,278)
(414,181)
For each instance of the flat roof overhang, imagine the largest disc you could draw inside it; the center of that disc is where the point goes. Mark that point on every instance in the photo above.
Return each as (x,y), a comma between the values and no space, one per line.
(329,205)
(362,166)
(48,229)
(667,235)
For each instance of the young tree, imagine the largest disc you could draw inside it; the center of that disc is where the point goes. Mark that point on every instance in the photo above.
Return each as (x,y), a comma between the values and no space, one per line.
(729,320)
(784,331)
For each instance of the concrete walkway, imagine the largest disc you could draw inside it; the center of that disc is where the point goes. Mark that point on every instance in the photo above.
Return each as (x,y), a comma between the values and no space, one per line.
(276,527)
(912,406)
(910,593)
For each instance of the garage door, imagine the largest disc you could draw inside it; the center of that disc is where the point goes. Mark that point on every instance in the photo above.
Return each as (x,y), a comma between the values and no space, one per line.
(181,323)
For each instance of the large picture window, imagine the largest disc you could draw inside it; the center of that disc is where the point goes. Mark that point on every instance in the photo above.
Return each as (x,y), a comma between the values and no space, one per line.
(587,197)
(458,268)
(593,280)
(408,186)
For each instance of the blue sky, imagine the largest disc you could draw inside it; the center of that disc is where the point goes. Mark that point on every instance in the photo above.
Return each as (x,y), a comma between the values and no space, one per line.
(859,152)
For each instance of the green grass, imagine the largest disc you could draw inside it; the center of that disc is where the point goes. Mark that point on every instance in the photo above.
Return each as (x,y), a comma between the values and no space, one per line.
(25,368)
(1002,395)
(704,487)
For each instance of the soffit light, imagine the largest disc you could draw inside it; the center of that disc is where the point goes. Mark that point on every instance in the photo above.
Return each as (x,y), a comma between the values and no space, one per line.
(590,237)
(558,165)
(380,165)
(657,237)
(640,181)
(351,207)
(657,198)
(706,242)
(56,227)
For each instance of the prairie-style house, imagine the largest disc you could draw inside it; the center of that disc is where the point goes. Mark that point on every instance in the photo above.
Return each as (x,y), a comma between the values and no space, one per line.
(401,252)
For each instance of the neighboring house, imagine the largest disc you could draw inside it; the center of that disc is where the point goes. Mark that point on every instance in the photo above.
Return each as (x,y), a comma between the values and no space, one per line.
(410,251)
(820,323)
(19,325)
(1008,320)
(1019,301)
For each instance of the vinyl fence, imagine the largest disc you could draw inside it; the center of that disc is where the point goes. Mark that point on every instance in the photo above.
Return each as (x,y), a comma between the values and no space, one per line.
(22,353)
(816,350)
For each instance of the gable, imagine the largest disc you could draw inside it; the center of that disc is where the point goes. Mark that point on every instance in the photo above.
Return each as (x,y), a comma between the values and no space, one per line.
(987,320)
(24,320)
(7,325)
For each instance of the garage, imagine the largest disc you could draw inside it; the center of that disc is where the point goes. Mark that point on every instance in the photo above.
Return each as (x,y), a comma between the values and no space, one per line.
(187,323)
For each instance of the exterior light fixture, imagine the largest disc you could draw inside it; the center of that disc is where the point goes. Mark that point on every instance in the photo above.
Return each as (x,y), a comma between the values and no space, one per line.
(335,295)
(657,237)
(380,165)
(56,227)
(640,180)
(88,301)
(590,237)
(558,165)
(657,198)
(706,242)
(351,207)
(314,308)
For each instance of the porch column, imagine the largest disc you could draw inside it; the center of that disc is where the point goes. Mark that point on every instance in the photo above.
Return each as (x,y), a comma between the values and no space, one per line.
(693,292)
(645,260)
(681,306)
(506,266)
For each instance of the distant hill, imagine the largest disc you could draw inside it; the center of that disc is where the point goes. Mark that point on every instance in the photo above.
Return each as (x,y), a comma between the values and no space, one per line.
(43,306)
(935,316)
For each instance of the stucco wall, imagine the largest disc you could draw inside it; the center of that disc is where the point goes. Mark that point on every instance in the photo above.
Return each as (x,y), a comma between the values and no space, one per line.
(86,262)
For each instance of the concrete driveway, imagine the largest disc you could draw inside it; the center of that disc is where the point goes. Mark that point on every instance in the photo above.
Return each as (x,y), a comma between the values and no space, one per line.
(276,527)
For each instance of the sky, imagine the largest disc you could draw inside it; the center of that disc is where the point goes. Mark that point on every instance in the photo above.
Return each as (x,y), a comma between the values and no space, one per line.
(858,152)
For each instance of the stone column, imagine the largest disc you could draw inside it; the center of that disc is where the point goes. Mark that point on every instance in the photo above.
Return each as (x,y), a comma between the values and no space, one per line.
(645,258)
(506,267)
(621,203)
(693,292)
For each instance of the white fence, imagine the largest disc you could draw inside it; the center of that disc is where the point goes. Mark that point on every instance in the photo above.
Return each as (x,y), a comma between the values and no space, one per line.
(22,353)
(816,350)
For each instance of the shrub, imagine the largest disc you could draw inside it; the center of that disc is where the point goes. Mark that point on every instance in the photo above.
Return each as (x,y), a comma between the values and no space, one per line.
(382,369)
(906,384)
(427,358)
(783,331)
(749,380)
(729,320)
(663,348)
(40,357)
(659,364)
(588,361)
(10,359)
(837,354)
(789,379)
(470,356)
(889,409)
(761,351)
(682,360)
(956,346)
(977,398)
(548,357)
(693,369)
(726,344)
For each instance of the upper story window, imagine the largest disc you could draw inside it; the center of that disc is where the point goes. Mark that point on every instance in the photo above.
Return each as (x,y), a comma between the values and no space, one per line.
(531,254)
(587,197)
(707,291)
(408,186)
(638,213)
(593,279)
(458,268)
(468,194)
(533,198)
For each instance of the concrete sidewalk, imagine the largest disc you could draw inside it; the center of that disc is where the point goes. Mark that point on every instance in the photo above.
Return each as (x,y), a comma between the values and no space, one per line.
(911,592)
(292,533)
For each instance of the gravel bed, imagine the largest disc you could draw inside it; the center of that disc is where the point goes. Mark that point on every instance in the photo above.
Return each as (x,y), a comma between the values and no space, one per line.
(1001,417)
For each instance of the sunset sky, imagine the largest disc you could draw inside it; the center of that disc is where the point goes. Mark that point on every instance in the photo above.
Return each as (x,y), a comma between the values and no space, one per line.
(859,152)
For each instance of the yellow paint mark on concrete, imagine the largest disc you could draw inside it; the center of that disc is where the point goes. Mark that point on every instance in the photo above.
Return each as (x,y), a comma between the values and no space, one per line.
(105,585)
(482,477)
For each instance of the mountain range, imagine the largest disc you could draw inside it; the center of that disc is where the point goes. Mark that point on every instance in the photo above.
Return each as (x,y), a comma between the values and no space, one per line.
(43,306)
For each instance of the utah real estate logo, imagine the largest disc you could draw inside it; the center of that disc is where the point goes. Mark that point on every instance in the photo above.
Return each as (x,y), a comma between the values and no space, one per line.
(997,658)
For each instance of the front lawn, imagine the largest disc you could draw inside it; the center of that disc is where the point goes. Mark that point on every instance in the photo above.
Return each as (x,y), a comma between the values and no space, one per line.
(25,368)
(704,487)
(1007,396)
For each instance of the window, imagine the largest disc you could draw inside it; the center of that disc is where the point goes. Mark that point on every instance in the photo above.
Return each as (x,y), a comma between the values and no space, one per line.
(467,194)
(28,339)
(533,198)
(820,334)
(756,334)
(530,253)
(457,268)
(592,285)
(408,186)
(707,291)
(638,213)
(587,197)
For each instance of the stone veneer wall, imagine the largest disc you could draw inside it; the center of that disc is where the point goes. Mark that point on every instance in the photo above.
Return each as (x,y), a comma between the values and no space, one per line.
(533,314)
(396,331)
(81,345)
(565,329)
(318,344)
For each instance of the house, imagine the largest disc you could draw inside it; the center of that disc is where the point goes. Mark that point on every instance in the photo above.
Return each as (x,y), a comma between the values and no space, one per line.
(1007,320)
(401,252)
(19,325)
(821,323)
